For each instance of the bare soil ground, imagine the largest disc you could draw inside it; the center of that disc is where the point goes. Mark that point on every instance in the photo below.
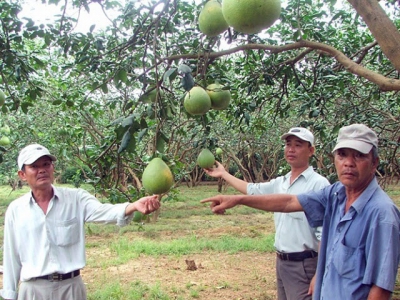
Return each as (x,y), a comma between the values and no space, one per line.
(242,276)
(216,276)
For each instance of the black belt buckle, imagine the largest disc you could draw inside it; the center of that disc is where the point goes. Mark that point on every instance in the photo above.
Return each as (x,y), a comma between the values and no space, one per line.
(59,277)
(55,277)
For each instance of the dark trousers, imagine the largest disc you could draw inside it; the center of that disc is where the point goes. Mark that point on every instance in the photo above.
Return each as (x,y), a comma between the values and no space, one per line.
(294,277)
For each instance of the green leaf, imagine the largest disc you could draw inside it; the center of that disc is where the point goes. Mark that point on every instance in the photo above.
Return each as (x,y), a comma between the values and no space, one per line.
(170,76)
(184,69)
(128,121)
(122,75)
(187,82)
(25,105)
(142,133)
(125,141)
(104,88)
(160,144)
(117,121)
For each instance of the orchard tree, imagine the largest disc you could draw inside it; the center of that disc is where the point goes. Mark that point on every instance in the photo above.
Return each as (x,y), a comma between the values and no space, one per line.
(322,66)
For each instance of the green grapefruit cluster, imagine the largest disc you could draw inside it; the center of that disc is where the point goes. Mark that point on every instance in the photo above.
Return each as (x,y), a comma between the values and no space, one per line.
(246,16)
(199,101)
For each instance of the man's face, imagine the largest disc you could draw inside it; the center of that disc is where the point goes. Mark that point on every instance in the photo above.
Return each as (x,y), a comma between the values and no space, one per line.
(355,169)
(297,152)
(39,174)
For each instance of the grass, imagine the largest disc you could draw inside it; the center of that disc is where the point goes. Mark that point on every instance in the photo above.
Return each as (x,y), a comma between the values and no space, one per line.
(134,291)
(185,227)
(125,249)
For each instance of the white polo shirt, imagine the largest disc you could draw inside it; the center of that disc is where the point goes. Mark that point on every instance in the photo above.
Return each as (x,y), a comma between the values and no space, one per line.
(293,233)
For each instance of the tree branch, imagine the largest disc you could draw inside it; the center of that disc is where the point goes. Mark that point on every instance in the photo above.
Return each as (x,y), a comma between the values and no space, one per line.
(381,27)
(384,83)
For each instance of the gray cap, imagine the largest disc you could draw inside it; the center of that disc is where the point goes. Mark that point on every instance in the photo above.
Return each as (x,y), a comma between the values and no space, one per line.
(358,137)
(32,153)
(301,133)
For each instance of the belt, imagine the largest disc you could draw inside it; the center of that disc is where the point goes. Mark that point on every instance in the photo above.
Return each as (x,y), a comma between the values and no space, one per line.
(296,256)
(59,277)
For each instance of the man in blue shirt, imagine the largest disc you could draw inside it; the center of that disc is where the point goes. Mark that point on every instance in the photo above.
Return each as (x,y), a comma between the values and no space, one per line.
(360,245)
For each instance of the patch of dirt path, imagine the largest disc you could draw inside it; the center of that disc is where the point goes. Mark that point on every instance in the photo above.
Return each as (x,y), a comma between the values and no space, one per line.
(217,276)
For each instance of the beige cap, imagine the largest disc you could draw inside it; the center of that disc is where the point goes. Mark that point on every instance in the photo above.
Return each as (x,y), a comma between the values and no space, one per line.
(32,153)
(301,133)
(358,137)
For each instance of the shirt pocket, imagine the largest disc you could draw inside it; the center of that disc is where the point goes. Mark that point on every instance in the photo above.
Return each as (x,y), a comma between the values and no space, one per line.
(349,261)
(67,232)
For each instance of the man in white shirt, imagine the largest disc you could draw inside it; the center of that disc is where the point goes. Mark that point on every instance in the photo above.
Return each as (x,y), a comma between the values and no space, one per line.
(44,234)
(296,242)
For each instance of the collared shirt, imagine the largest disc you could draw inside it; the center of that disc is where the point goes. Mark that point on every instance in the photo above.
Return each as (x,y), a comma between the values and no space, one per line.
(293,233)
(37,244)
(359,248)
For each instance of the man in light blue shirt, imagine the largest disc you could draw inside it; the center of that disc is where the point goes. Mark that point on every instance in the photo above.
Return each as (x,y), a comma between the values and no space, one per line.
(360,246)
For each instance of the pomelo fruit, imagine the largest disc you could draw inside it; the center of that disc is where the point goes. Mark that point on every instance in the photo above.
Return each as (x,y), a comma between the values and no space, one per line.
(218,151)
(138,217)
(5,141)
(211,20)
(5,130)
(251,16)
(219,98)
(157,178)
(197,101)
(205,159)
(2,98)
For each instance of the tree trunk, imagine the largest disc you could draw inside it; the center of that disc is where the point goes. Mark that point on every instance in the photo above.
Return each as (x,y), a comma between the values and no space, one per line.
(381,27)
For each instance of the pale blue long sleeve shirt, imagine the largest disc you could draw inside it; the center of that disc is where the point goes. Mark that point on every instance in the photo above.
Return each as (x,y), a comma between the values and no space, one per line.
(37,244)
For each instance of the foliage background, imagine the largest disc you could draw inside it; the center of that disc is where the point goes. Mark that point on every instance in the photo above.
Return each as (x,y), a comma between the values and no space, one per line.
(83,94)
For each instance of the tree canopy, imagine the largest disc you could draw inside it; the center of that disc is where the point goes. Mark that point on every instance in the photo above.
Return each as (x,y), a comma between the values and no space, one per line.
(322,65)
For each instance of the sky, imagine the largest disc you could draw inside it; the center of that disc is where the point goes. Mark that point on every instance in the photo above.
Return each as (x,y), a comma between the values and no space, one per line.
(40,12)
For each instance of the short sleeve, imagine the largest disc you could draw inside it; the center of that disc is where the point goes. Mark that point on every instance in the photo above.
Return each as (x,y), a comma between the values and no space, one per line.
(314,203)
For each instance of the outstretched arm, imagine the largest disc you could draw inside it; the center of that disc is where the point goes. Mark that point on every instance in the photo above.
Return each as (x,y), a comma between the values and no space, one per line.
(220,172)
(271,202)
